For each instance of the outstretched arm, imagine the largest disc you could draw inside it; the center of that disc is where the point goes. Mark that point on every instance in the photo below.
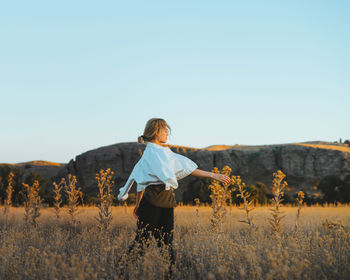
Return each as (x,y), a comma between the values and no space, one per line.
(220,177)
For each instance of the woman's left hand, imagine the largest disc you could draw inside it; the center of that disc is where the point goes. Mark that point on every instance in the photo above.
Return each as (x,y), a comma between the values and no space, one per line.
(222,178)
(135,212)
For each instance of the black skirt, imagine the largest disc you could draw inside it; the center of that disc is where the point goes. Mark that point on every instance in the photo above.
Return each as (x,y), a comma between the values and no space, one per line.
(158,220)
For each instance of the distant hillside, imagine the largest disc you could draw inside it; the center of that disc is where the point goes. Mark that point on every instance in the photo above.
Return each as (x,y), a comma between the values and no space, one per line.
(45,168)
(304,164)
(35,163)
(329,146)
(314,144)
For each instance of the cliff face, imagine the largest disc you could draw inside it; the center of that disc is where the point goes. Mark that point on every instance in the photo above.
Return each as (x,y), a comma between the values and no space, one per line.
(303,164)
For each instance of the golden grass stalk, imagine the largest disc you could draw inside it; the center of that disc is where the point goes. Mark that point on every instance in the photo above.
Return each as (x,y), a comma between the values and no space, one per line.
(9,191)
(197,201)
(245,195)
(58,197)
(219,195)
(32,203)
(73,194)
(277,191)
(230,200)
(125,204)
(105,198)
(300,200)
(81,195)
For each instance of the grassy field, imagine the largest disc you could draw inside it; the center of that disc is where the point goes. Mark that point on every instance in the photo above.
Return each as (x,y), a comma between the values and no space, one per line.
(57,250)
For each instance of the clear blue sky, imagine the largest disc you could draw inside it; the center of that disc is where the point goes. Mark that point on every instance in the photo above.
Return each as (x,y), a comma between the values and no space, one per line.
(78,75)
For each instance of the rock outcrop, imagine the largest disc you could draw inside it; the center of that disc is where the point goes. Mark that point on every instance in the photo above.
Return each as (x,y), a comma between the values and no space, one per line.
(303,163)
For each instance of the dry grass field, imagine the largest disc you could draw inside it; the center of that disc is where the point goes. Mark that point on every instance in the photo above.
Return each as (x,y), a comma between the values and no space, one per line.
(56,249)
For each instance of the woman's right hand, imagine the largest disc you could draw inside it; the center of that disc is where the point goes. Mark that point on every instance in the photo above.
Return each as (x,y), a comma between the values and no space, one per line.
(135,212)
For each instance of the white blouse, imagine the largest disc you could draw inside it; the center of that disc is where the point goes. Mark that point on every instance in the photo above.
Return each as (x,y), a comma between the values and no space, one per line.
(158,165)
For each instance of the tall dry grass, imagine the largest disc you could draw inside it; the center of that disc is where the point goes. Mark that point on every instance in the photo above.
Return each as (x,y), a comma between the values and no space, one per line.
(245,196)
(73,193)
(32,203)
(300,200)
(105,198)
(58,197)
(314,245)
(9,191)
(320,249)
(220,194)
(277,191)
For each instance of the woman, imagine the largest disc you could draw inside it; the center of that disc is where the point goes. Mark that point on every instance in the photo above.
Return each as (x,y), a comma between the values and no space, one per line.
(156,175)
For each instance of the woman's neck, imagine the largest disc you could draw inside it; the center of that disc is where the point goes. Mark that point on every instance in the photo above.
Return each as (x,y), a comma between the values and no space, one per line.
(157,142)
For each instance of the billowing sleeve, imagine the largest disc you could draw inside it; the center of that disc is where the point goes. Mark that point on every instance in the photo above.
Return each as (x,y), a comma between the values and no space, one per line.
(123,192)
(170,167)
(183,166)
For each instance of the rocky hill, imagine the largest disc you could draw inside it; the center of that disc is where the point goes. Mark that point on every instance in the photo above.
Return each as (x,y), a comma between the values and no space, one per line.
(304,164)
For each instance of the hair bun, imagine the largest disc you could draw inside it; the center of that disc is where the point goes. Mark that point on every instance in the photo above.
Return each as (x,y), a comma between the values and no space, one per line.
(141,139)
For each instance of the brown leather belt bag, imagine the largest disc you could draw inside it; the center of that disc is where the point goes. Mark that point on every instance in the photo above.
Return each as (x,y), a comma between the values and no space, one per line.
(158,196)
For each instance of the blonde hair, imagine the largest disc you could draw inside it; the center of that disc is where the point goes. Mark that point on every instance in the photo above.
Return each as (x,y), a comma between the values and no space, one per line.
(152,127)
